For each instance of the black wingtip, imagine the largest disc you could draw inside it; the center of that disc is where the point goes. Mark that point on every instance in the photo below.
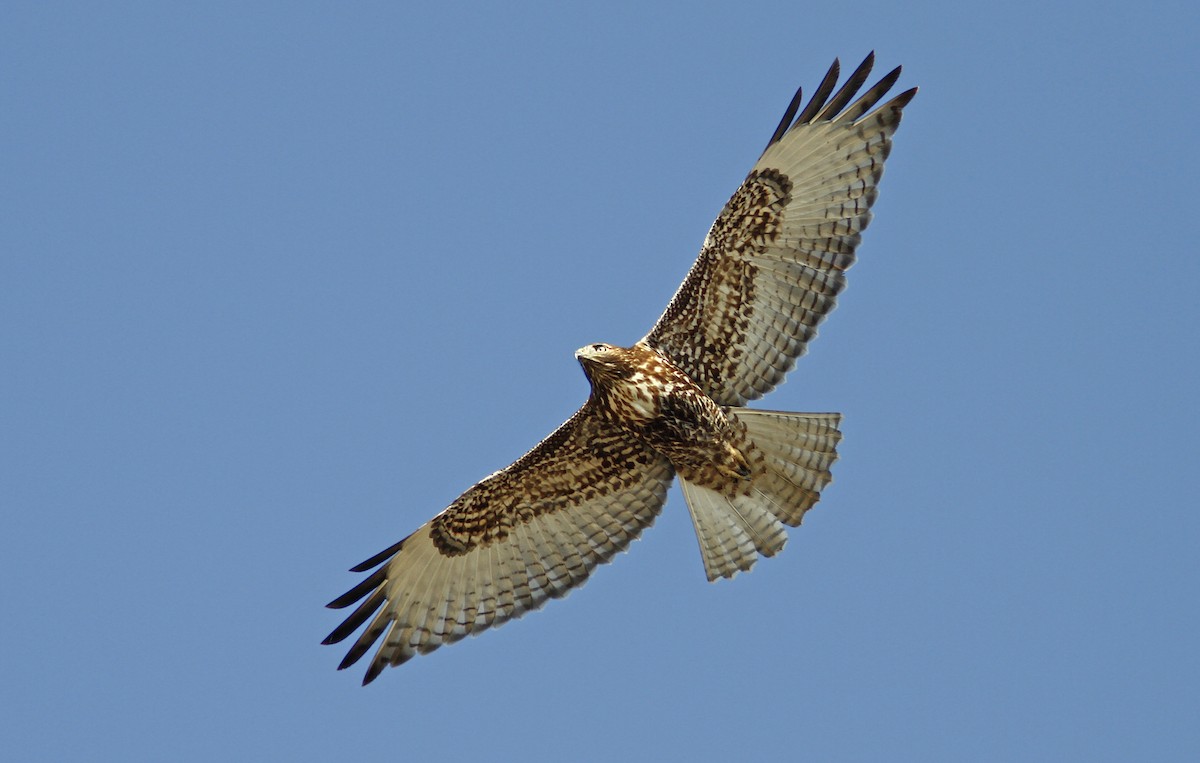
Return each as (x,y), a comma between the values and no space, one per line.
(354,655)
(365,586)
(790,118)
(357,618)
(785,123)
(379,558)
(849,88)
(870,98)
(821,93)
(373,671)
(886,81)
(902,100)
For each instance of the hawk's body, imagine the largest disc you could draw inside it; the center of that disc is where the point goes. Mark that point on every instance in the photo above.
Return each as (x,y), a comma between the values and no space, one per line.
(648,397)
(769,271)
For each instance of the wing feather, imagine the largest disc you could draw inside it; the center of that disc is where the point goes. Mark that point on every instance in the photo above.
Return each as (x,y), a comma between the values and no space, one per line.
(774,260)
(528,533)
(819,97)
(847,91)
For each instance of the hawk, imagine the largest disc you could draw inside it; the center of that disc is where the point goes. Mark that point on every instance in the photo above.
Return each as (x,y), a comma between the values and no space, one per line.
(672,405)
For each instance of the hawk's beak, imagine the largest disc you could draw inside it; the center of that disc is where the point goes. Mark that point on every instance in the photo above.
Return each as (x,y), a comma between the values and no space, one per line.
(588,360)
(585,355)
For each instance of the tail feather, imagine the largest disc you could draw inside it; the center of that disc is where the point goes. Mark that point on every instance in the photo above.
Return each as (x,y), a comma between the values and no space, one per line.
(794,452)
(799,449)
(732,531)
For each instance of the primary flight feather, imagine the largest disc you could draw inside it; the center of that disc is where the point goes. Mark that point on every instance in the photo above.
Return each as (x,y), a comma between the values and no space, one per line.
(769,271)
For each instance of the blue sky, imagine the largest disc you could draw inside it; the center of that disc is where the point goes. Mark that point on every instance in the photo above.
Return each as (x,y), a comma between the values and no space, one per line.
(279,281)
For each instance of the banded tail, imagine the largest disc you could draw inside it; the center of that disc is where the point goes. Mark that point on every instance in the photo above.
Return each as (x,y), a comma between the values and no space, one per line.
(793,454)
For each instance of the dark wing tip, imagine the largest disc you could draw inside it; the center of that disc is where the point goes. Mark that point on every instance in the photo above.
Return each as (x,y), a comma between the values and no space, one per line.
(885,83)
(814,104)
(786,122)
(361,647)
(373,672)
(357,618)
(379,558)
(870,98)
(847,91)
(365,586)
(902,100)
(822,107)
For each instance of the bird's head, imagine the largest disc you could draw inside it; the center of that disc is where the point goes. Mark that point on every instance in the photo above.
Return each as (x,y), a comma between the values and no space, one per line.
(603,361)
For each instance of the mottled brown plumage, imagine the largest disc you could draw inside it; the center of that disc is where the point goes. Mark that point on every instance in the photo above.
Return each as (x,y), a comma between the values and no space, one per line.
(645,394)
(768,273)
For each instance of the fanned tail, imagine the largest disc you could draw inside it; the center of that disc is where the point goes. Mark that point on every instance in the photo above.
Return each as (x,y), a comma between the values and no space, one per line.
(791,457)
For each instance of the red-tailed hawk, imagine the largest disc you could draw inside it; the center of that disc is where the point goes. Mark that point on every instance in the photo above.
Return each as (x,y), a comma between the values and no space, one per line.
(768,273)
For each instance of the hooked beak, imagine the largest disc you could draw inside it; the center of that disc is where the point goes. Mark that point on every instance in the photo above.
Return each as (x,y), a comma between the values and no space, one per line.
(587,360)
(587,354)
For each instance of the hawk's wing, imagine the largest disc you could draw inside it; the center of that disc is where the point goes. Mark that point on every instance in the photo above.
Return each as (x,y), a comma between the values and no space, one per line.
(530,532)
(775,259)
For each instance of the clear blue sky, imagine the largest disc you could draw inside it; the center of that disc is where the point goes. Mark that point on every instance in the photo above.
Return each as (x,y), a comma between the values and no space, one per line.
(279,281)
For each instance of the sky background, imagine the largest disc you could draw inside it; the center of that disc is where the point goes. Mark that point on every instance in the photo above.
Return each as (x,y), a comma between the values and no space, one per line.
(280,280)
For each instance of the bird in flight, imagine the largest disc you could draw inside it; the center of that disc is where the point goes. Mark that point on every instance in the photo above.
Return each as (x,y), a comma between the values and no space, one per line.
(673,404)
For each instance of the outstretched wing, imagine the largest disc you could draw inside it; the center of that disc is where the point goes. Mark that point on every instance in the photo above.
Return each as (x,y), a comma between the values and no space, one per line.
(775,259)
(523,535)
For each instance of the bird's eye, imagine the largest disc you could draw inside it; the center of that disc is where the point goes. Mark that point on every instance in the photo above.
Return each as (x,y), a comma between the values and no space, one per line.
(598,347)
